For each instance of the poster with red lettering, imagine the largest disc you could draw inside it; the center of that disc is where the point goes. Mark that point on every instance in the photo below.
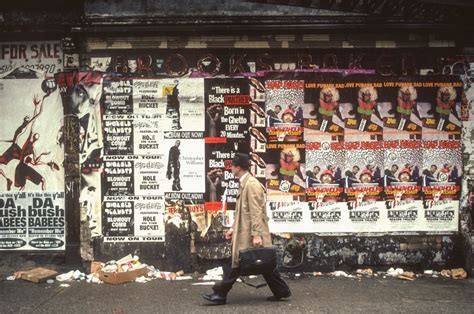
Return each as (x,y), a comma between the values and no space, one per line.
(401,183)
(325,163)
(441,183)
(285,179)
(284,108)
(323,120)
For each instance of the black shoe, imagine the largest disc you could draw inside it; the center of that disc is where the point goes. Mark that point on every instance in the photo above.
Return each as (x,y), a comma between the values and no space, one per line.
(276,299)
(215,298)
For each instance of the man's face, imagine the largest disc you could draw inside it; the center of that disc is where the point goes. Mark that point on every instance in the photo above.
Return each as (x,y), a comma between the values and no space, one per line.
(433,169)
(405,177)
(277,109)
(355,169)
(235,170)
(406,97)
(394,169)
(178,143)
(327,97)
(287,118)
(444,97)
(316,170)
(132,65)
(366,97)
(365,178)
(326,179)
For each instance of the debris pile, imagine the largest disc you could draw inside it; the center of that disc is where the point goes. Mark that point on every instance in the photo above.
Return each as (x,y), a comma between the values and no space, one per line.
(127,269)
(458,273)
(213,274)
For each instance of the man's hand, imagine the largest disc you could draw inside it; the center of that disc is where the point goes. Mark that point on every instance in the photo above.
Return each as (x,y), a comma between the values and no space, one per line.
(228,234)
(257,241)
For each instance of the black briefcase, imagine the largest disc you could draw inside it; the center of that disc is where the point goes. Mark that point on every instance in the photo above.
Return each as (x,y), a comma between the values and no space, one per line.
(257,261)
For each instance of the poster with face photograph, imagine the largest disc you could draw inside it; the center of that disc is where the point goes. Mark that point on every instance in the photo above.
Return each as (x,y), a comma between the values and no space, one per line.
(177,103)
(184,155)
(325,163)
(439,107)
(360,111)
(401,182)
(323,120)
(363,171)
(222,187)
(284,104)
(285,179)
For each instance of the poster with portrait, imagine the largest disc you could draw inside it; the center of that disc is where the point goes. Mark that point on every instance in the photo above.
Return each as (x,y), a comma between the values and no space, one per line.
(284,104)
(222,187)
(361,182)
(362,120)
(439,106)
(184,161)
(398,109)
(285,178)
(325,163)
(401,183)
(323,120)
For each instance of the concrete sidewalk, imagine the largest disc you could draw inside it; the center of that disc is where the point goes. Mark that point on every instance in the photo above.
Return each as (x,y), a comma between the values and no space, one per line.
(310,295)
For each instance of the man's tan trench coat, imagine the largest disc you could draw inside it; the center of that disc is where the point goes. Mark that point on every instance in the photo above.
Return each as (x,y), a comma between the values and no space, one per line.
(250,217)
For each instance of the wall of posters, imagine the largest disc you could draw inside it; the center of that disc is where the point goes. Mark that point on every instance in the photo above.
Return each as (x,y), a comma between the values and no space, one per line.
(32,213)
(153,145)
(337,153)
(379,154)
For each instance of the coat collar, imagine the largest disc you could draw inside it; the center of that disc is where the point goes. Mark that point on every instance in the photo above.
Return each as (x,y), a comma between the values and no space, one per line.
(244,181)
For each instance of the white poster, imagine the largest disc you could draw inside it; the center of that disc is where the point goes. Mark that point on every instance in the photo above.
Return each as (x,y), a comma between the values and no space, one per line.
(31,165)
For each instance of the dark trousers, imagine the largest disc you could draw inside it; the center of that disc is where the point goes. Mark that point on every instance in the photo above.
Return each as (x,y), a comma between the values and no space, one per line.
(278,287)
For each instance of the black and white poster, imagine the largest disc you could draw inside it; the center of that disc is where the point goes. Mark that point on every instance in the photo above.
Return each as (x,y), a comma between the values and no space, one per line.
(134,219)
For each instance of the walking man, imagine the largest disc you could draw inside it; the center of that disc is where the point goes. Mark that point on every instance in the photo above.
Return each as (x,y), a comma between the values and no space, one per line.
(250,229)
